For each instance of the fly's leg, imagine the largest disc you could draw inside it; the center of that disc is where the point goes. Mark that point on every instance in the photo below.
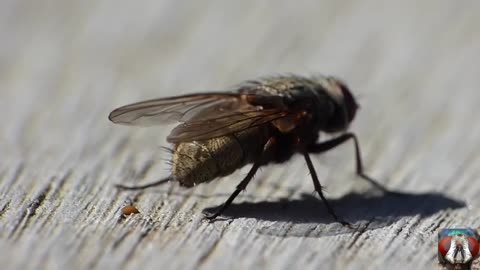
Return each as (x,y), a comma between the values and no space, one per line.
(156,183)
(243,184)
(239,188)
(327,145)
(318,188)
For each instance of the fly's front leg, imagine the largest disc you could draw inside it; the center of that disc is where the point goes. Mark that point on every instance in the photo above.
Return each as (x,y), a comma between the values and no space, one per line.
(330,144)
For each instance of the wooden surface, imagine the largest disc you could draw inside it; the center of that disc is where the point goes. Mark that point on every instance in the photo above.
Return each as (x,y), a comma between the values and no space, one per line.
(65,64)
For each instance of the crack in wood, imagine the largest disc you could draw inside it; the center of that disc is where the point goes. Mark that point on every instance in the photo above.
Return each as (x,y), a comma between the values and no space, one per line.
(359,233)
(205,256)
(29,213)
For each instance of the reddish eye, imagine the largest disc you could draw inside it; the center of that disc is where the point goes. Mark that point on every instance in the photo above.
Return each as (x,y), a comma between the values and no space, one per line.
(473,246)
(444,245)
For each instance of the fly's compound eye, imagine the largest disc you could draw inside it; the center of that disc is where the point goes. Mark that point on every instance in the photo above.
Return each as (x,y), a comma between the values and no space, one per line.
(473,246)
(444,245)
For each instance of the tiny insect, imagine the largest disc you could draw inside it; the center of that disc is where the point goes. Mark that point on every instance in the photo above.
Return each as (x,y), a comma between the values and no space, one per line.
(129,209)
(257,122)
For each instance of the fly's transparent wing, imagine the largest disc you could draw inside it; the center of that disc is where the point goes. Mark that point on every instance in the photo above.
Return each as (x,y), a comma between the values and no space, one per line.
(204,116)
(223,124)
(179,108)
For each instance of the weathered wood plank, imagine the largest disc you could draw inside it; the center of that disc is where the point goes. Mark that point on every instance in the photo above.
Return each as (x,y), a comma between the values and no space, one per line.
(64,65)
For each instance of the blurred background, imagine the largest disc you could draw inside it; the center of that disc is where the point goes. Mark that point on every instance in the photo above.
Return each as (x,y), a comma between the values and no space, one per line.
(64,65)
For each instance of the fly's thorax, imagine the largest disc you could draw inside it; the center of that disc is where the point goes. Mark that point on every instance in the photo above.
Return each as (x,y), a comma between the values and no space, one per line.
(202,161)
(313,106)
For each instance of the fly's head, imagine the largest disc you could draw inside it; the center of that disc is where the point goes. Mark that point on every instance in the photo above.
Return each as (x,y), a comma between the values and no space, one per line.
(345,106)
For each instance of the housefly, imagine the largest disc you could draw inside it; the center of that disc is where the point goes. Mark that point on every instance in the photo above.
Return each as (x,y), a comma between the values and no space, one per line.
(258,122)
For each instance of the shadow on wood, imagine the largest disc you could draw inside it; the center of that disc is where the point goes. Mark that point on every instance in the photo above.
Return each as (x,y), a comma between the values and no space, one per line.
(369,209)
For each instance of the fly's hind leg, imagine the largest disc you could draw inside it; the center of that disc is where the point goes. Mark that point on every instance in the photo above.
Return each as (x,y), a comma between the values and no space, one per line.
(243,184)
(156,183)
(330,144)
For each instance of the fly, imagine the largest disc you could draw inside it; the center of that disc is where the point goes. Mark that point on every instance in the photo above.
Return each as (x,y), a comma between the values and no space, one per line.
(258,122)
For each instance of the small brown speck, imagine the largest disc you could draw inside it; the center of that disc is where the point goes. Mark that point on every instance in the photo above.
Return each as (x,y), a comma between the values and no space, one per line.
(129,209)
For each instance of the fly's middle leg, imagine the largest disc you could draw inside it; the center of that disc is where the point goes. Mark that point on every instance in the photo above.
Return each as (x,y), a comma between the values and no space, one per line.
(243,184)
(318,188)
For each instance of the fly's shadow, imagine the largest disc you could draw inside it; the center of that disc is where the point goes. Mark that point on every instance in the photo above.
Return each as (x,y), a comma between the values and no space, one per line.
(367,211)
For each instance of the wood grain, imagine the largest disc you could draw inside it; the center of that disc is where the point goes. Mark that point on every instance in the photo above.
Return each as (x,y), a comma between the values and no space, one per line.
(64,65)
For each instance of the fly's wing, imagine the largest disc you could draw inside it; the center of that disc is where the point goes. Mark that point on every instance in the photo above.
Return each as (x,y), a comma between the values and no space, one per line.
(167,110)
(203,116)
(223,124)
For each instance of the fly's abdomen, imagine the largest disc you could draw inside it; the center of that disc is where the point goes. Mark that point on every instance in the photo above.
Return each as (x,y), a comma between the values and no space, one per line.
(202,161)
